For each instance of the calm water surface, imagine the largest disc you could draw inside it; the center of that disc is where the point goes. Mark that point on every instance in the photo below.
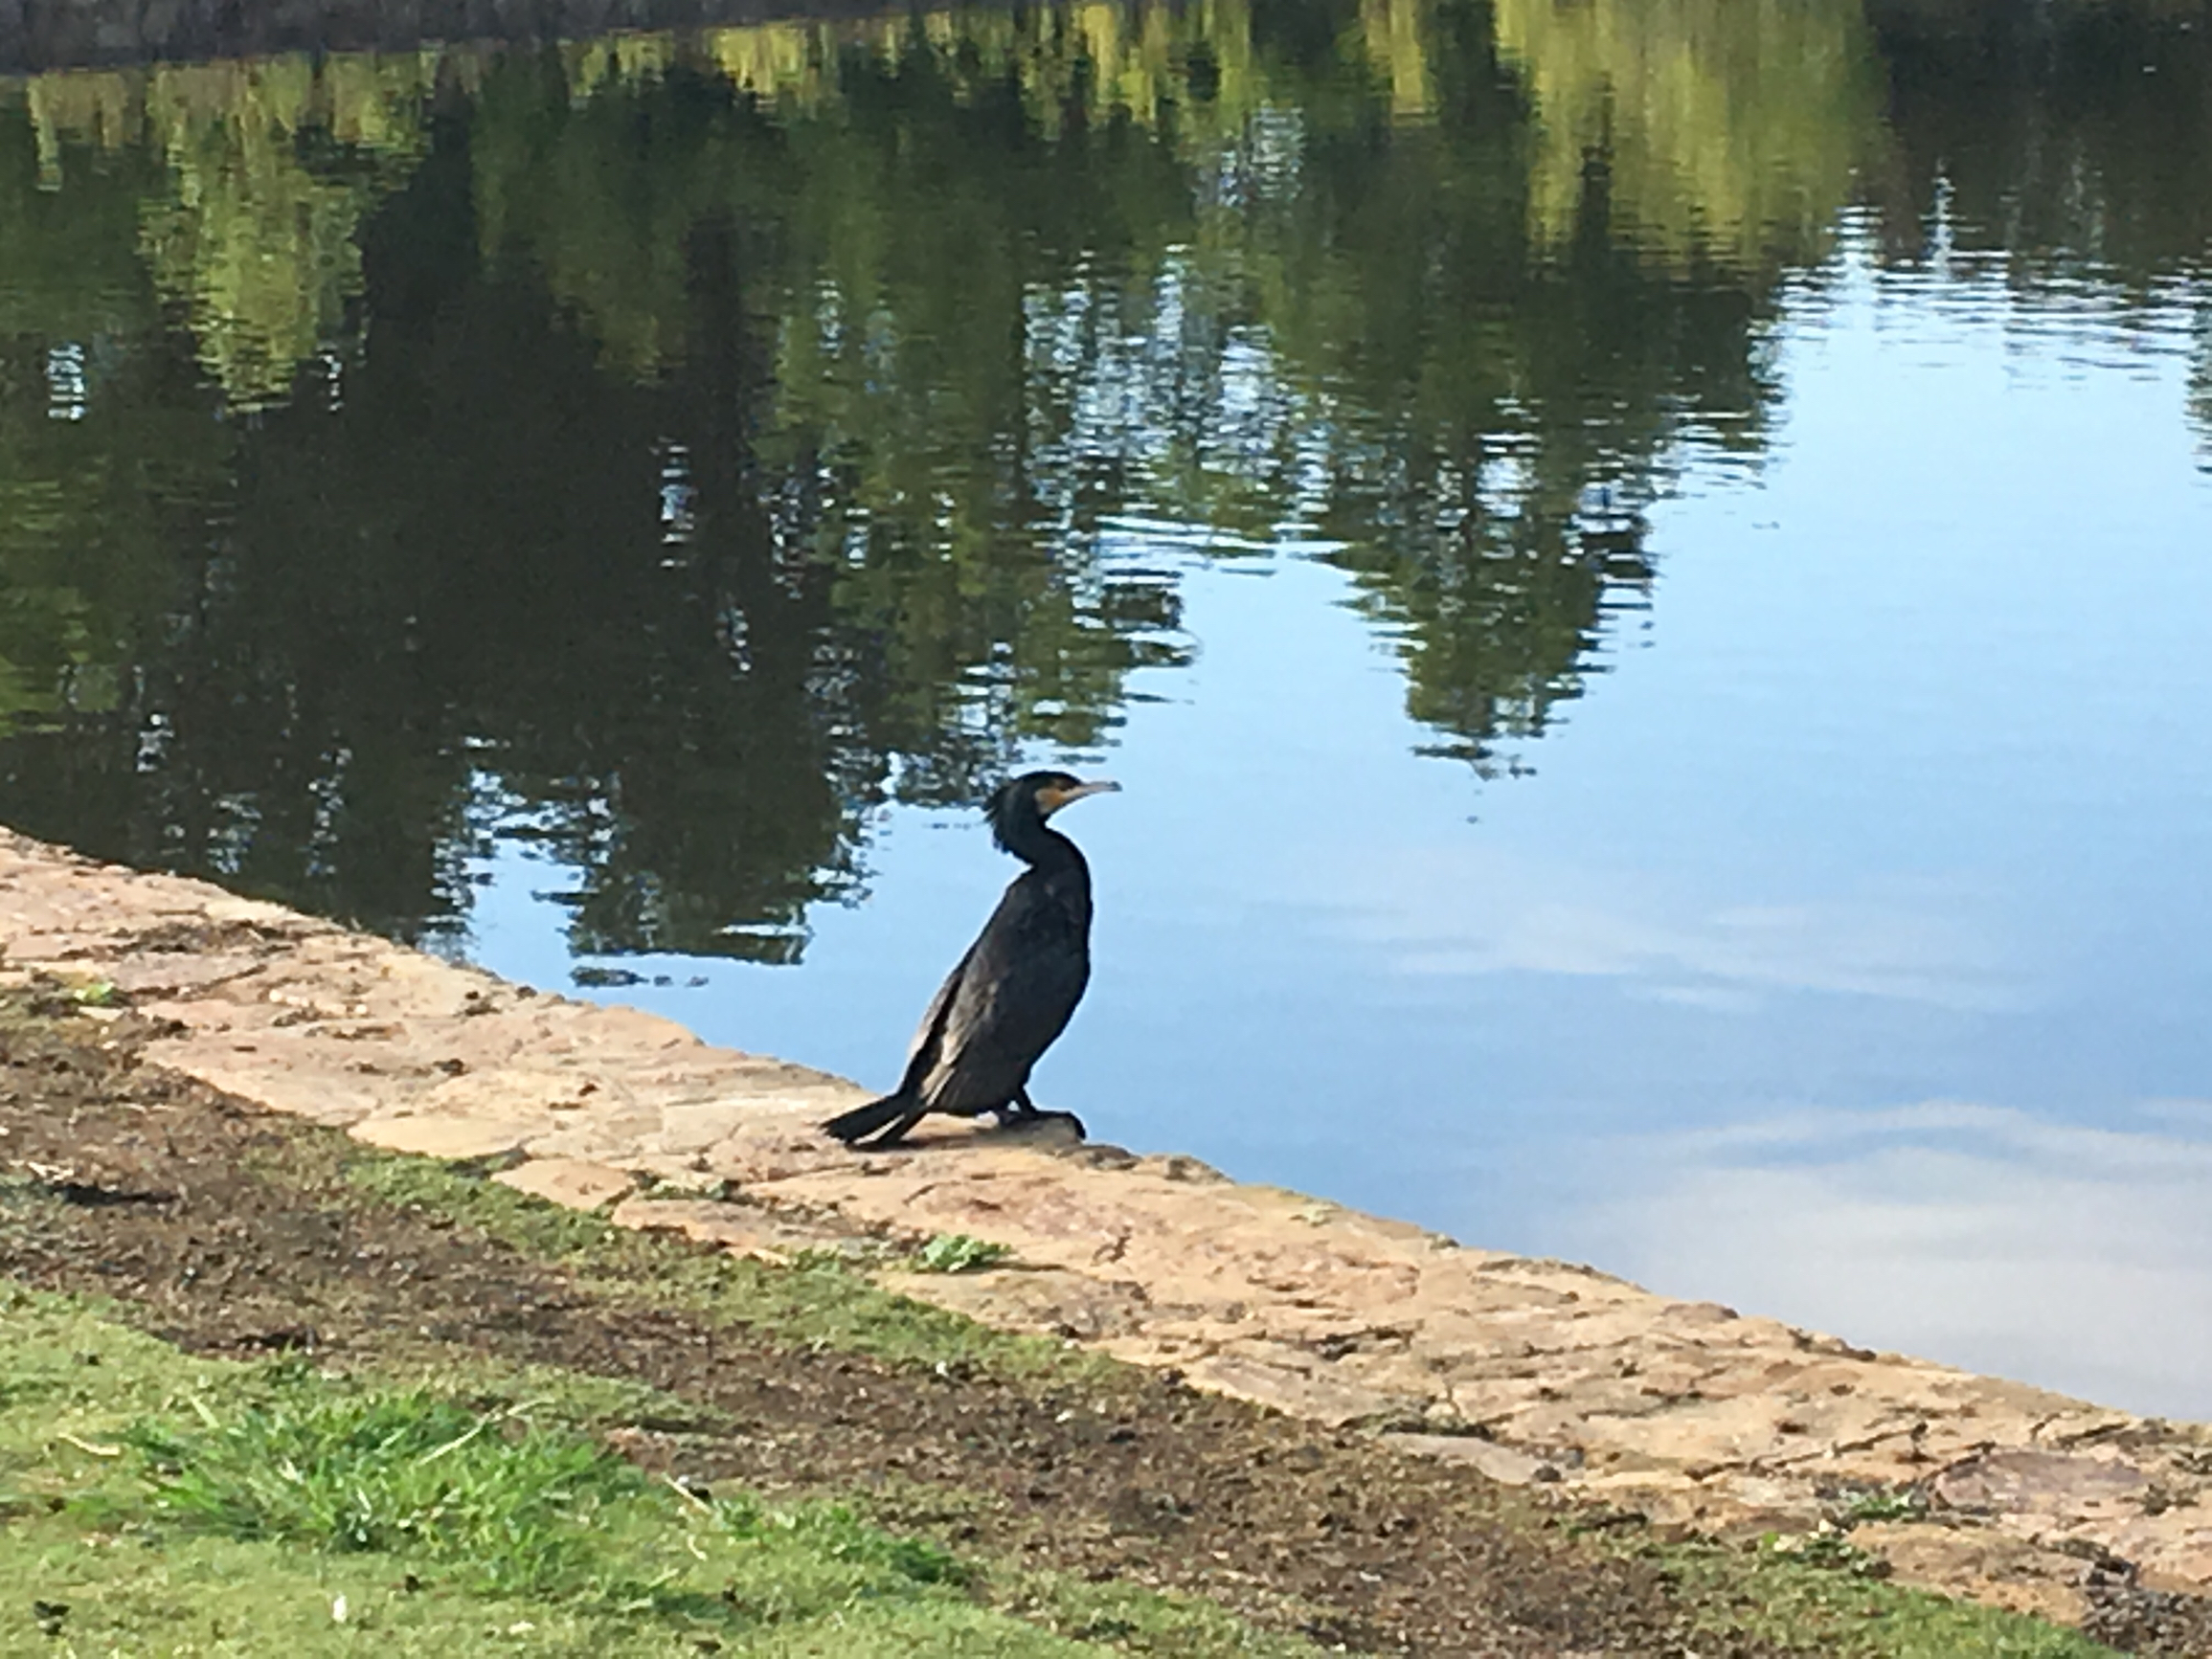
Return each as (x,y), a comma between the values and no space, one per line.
(1646,568)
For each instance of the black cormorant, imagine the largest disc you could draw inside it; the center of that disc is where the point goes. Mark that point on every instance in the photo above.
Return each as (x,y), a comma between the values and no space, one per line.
(1011,995)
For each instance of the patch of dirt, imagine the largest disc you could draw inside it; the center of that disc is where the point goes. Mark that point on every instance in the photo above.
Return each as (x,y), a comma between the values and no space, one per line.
(225,1229)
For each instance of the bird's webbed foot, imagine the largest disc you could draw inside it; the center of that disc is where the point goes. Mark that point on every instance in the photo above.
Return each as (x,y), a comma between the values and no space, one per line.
(1021,1112)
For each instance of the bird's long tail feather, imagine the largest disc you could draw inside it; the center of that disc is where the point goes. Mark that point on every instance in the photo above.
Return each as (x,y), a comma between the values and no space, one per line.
(861,1121)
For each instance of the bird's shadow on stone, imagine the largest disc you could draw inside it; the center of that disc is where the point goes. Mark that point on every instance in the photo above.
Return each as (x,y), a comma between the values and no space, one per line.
(1047,1132)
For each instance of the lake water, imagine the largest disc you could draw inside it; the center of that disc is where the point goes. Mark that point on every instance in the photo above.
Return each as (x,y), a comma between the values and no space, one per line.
(1645,565)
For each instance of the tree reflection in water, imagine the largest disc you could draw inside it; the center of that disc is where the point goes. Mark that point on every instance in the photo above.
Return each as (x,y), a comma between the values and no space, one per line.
(670,448)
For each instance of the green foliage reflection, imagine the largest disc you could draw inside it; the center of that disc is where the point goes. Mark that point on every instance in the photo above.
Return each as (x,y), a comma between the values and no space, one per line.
(1729,129)
(664,448)
(2073,139)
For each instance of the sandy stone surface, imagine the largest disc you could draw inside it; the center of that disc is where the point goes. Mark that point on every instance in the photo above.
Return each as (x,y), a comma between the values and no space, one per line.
(1528,1370)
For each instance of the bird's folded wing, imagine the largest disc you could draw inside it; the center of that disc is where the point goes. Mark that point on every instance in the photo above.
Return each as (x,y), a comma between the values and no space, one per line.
(931,1027)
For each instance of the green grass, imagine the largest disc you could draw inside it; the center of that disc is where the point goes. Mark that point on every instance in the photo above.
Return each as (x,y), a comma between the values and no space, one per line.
(821,1302)
(1826,1597)
(957,1253)
(404,1471)
(222,1508)
(1883,1504)
(156,1503)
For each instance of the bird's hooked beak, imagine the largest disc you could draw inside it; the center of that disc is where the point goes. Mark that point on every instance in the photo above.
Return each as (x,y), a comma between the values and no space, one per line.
(1050,800)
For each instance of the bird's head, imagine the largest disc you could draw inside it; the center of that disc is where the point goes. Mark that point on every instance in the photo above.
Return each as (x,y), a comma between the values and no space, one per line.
(1028,801)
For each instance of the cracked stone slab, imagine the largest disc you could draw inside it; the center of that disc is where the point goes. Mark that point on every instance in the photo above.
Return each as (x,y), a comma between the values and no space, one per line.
(1528,1369)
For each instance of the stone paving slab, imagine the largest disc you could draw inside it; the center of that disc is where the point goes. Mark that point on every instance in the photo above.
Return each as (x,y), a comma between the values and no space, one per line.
(1526,1369)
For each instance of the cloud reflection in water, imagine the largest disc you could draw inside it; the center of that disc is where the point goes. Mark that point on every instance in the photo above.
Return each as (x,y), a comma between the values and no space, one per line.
(1478,910)
(2002,1241)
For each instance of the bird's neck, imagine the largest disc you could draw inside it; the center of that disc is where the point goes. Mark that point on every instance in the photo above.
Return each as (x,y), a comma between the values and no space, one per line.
(1044,850)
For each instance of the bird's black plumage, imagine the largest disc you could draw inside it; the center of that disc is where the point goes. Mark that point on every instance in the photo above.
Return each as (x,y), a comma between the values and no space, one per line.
(1012,994)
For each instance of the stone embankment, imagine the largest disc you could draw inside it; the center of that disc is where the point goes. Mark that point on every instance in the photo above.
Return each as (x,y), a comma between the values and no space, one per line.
(1528,1370)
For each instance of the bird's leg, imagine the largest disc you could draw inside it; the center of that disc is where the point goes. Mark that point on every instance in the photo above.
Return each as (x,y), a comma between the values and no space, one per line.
(1019,1110)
